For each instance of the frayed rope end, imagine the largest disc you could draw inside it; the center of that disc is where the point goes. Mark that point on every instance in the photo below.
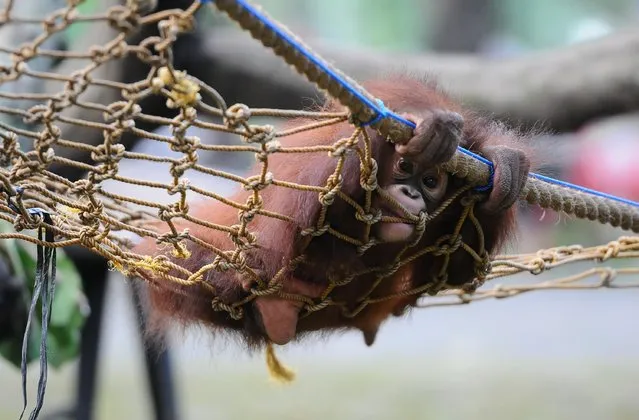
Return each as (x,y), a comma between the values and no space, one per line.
(277,371)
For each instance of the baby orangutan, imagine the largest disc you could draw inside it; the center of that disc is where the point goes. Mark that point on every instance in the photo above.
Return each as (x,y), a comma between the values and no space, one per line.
(408,174)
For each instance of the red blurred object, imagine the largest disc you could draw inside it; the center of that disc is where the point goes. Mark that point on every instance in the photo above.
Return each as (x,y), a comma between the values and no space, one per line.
(608,157)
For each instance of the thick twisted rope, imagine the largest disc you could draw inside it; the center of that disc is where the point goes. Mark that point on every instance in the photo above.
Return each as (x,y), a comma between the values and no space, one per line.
(365,108)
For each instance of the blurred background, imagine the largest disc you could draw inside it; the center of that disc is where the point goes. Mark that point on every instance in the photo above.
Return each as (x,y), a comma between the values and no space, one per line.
(543,355)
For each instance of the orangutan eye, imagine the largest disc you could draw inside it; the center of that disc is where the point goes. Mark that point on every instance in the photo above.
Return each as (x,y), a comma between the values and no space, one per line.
(405,166)
(430,182)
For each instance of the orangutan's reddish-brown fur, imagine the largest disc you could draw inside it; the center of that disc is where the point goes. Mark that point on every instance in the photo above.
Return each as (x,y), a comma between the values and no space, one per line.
(280,241)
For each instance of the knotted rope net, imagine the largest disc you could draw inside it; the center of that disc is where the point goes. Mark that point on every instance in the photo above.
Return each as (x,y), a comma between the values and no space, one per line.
(98,210)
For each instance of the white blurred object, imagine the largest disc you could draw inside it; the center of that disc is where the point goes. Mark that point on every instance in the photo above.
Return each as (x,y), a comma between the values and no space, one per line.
(589,29)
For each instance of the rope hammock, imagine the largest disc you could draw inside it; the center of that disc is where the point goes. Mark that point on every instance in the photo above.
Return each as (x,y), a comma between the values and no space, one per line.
(99,213)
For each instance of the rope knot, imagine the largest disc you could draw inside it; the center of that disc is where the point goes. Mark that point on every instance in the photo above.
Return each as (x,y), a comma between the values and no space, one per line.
(368,177)
(181,187)
(612,250)
(254,204)
(12,73)
(472,286)
(483,267)
(272,146)
(420,228)
(187,144)
(221,264)
(242,241)
(261,135)
(87,238)
(366,246)
(537,266)
(9,147)
(247,216)
(59,20)
(171,27)
(369,218)
(339,151)
(140,6)
(78,83)
(255,201)
(85,187)
(112,153)
(235,312)
(239,263)
(421,223)
(99,54)
(24,169)
(178,168)
(29,223)
(166,214)
(118,50)
(439,282)
(172,238)
(454,242)
(26,52)
(334,185)
(236,115)
(256,183)
(120,111)
(37,113)
(123,19)
(318,231)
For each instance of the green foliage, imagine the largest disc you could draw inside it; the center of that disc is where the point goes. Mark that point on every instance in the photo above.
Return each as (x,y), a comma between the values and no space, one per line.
(78,29)
(69,309)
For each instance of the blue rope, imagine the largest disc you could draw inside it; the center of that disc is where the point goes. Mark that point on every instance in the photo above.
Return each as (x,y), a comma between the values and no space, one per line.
(383,112)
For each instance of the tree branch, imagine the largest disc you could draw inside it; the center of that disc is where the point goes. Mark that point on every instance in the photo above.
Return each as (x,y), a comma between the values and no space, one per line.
(561,88)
